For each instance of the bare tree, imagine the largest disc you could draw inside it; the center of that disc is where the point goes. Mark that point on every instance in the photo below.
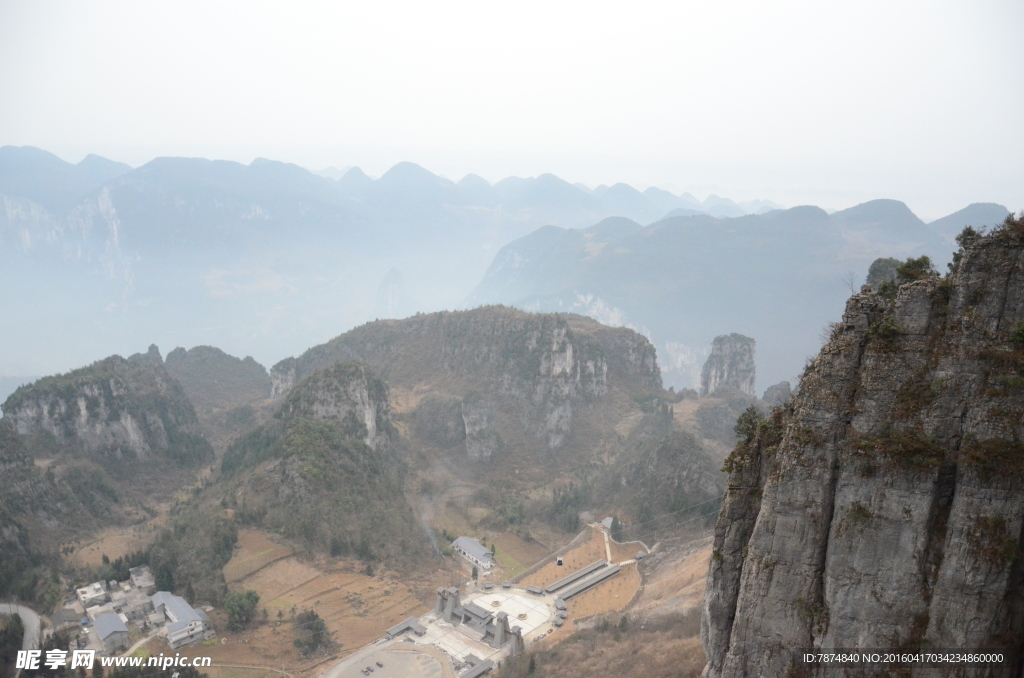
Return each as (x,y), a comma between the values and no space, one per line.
(848,280)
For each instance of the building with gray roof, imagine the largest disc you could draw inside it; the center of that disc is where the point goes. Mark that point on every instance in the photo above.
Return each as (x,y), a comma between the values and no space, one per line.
(410,624)
(479,670)
(111,631)
(64,618)
(185,624)
(474,552)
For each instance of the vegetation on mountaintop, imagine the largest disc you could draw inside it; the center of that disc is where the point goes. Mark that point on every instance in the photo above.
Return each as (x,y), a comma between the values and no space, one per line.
(107,391)
(215,380)
(309,475)
(314,482)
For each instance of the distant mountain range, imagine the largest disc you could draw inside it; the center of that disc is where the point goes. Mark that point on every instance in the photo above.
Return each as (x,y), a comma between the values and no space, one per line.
(779,277)
(268,258)
(264,258)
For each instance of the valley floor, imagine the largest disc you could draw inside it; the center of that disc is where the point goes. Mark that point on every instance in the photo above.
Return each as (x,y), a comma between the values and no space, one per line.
(660,596)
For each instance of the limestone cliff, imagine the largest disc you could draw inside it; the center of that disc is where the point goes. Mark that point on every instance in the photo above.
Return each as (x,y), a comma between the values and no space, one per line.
(538,369)
(322,471)
(731,363)
(477,421)
(778,394)
(882,507)
(112,409)
(349,394)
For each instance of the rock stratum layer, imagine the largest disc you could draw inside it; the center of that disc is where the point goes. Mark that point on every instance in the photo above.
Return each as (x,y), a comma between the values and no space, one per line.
(882,507)
(116,408)
(537,368)
(731,363)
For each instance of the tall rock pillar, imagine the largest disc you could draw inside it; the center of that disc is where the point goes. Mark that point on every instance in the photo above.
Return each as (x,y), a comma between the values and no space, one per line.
(731,363)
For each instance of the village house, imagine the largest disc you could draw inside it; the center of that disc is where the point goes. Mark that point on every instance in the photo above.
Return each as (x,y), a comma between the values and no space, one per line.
(97,610)
(185,624)
(143,579)
(93,594)
(112,632)
(133,603)
(474,552)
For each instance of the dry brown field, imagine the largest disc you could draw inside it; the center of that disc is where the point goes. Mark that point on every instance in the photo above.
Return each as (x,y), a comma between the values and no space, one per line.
(115,542)
(356,608)
(611,595)
(670,651)
(235,672)
(674,582)
(254,552)
(583,555)
(625,551)
(515,554)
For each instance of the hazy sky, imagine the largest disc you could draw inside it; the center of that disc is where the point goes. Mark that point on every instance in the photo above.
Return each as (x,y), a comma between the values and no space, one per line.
(830,103)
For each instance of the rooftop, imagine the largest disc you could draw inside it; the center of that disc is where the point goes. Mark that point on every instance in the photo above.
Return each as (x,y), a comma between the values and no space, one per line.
(107,624)
(177,607)
(141,575)
(473,548)
(64,616)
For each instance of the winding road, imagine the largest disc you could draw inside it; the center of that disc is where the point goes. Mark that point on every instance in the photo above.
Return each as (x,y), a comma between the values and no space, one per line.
(29,619)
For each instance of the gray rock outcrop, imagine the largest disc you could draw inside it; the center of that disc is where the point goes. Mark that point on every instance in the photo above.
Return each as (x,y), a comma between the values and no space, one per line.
(882,270)
(536,368)
(114,408)
(477,418)
(349,394)
(883,507)
(731,363)
(778,394)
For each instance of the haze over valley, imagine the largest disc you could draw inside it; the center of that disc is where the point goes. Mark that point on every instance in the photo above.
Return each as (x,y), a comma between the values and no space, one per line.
(491,340)
(269,258)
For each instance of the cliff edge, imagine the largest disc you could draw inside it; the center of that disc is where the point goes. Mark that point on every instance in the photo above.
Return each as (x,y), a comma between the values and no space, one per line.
(883,506)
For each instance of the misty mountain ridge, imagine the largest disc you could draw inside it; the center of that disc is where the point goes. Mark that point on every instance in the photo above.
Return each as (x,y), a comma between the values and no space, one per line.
(268,258)
(681,281)
(254,255)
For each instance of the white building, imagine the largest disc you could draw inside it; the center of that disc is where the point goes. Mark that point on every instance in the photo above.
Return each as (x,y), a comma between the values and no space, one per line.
(185,624)
(93,594)
(474,552)
(142,577)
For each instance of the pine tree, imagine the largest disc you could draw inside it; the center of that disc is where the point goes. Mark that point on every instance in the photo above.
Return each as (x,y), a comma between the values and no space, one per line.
(616,529)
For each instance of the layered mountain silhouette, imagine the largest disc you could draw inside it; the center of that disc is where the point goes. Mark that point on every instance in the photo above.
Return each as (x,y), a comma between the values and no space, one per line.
(267,258)
(262,258)
(778,276)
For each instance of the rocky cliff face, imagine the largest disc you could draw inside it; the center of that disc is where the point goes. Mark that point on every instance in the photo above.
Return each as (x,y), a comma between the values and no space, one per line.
(540,366)
(323,472)
(478,423)
(883,507)
(115,408)
(777,394)
(348,394)
(731,363)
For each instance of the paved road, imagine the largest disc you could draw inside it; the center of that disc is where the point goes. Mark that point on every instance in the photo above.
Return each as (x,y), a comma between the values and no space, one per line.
(31,621)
